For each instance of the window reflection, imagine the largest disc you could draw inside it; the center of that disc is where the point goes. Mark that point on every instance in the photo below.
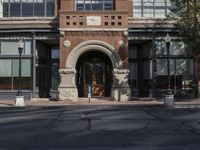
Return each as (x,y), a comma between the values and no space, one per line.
(88,73)
(10,75)
(28,8)
(94,4)
(99,73)
(15,10)
(151,8)
(181,66)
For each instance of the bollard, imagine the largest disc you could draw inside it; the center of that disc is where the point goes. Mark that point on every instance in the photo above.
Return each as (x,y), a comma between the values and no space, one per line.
(169,100)
(89,93)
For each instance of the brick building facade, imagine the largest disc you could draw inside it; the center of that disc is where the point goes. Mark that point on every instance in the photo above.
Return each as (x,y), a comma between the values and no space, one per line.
(116,47)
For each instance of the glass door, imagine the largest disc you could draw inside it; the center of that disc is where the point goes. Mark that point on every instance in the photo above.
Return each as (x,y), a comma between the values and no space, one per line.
(94,76)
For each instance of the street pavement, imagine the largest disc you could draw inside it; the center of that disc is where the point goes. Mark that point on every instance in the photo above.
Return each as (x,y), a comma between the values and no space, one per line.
(99,127)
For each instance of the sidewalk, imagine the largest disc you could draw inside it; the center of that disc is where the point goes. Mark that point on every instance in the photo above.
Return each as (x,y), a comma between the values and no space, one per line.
(98,102)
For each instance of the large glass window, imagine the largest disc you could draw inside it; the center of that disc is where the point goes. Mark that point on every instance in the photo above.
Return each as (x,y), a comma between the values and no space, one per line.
(11,48)
(39,8)
(15,8)
(151,8)
(9,65)
(94,4)
(180,66)
(50,8)
(9,74)
(28,8)
(176,48)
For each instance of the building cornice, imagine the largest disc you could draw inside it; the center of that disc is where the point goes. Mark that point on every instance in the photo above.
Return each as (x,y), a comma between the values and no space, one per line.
(14,23)
(94,29)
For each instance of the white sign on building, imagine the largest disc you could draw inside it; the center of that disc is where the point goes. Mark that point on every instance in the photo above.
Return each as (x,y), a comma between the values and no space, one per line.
(93,20)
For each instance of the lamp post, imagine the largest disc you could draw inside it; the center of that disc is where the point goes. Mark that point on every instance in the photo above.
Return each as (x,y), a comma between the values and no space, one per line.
(19,97)
(167,42)
(169,97)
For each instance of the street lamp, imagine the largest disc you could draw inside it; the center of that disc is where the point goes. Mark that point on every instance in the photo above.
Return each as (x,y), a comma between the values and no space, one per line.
(169,97)
(19,97)
(167,42)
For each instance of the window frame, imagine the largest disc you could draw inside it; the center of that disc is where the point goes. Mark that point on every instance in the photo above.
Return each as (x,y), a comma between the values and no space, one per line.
(91,8)
(33,11)
(141,7)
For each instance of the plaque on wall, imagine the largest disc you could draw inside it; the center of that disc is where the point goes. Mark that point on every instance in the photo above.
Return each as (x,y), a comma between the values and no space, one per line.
(93,20)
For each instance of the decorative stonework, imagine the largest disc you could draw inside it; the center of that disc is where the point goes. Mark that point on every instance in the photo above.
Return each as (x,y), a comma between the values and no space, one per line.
(93,20)
(62,33)
(67,88)
(67,44)
(120,71)
(68,93)
(92,33)
(67,71)
(120,89)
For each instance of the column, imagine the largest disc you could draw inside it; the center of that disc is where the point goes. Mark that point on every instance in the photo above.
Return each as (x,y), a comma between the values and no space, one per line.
(120,90)
(33,65)
(67,88)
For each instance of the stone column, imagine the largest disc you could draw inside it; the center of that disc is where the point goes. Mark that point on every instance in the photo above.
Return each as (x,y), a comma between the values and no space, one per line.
(34,57)
(120,89)
(67,88)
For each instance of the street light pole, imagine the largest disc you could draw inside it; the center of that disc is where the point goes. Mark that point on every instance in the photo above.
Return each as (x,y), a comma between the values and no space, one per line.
(20,49)
(169,97)
(167,41)
(19,97)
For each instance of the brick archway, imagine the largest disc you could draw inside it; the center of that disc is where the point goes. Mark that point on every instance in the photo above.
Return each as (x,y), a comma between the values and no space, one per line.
(93,45)
(68,89)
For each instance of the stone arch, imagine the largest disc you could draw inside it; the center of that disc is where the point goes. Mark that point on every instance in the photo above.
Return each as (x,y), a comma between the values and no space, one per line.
(91,46)
(68,88)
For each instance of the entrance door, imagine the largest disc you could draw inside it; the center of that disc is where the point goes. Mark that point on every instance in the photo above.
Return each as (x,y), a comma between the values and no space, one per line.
(140,63)
(94,75)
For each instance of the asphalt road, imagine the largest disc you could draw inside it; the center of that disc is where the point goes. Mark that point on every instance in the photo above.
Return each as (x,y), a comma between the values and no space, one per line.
(99,128)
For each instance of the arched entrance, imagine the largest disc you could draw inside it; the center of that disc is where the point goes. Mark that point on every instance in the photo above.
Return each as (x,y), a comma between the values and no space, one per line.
(68,88)
(94,69)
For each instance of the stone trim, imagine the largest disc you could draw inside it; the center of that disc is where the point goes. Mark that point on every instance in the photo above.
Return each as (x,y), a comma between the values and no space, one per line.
(93,29)
(120,71)
(91,46)
(67,71)
(120,90)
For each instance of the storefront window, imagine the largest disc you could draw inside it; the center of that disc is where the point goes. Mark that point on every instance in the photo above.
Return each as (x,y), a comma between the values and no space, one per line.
(180,64)
(11,48)
(9,65)
(5,74)
(176,48)
(9,75)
